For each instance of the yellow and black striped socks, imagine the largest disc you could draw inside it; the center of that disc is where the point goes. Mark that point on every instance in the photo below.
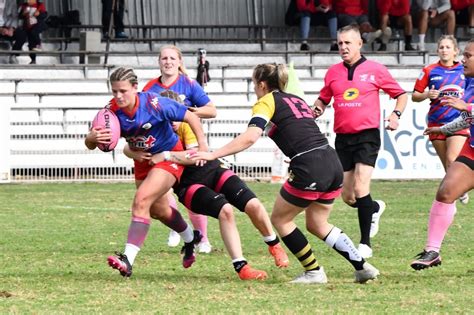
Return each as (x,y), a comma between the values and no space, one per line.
(299,246)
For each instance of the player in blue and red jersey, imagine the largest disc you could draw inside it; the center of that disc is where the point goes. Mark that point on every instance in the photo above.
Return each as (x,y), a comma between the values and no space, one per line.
(459,177)
(145,122)
(174,78)
(315,173)
(440,79)
(355,84)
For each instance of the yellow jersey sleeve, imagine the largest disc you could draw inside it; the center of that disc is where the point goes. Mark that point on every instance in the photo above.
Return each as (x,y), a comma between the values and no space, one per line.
(262,111)
(187,136)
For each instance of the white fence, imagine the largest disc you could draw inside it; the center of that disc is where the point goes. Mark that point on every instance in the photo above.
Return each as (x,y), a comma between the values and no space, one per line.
(45,143)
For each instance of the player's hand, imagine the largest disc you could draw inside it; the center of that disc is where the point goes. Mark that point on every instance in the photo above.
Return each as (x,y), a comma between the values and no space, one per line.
(454,102)
(433,93)
(202,155)
(392,122)
(432,131)
(141,156)
(99,135)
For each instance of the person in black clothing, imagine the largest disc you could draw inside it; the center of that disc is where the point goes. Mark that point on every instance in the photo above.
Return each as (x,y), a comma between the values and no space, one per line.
(117,6)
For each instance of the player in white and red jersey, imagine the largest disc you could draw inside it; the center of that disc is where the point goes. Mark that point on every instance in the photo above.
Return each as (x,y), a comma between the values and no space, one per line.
(459,177)
(355,84)
(174,78)
(315,173)
(145,122)
(436,81)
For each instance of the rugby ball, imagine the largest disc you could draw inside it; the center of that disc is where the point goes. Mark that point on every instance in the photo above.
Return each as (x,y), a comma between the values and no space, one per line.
(106,119)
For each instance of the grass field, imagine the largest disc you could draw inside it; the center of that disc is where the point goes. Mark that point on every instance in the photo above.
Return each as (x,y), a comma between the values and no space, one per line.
(55,239)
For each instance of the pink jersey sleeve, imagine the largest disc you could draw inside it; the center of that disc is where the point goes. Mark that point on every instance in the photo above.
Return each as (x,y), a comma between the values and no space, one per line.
(388,83)
(326,94)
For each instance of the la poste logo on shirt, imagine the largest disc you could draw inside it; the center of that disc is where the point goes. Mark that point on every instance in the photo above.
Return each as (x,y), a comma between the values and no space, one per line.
(351,94)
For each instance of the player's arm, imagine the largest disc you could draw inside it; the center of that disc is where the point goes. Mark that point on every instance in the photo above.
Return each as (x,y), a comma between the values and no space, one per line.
(240,143)
(206,111)
(431,94)
(180,157)
(97,135)
(139,156)
(457,103)
(450,128)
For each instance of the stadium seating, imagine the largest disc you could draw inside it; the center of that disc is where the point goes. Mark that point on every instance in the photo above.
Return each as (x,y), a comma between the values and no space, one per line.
(53,104)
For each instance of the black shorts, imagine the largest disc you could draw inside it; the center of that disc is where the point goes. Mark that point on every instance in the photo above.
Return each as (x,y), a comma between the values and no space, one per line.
(362,147)
(208,194)
(314,176)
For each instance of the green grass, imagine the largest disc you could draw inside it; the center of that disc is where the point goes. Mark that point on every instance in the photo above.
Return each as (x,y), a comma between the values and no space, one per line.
(54,240)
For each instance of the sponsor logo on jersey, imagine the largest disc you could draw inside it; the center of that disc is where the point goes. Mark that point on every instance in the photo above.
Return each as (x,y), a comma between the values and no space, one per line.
(141,142)
(182,97)
(146,126)
(173,165)
(422,74)
(351,94)
(451,90)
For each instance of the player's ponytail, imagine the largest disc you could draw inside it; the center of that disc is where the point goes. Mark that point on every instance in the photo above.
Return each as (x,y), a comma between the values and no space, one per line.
(275,75)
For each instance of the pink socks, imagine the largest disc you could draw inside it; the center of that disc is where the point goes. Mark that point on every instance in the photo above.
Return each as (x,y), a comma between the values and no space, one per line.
(441,217)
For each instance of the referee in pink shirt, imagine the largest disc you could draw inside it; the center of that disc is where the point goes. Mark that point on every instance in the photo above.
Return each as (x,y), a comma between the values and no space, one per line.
(355,84)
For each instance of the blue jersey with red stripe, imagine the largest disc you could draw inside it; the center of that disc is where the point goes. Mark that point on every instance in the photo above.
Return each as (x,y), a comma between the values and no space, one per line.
(148,126)
(190,92)
(449,81)
(469,99)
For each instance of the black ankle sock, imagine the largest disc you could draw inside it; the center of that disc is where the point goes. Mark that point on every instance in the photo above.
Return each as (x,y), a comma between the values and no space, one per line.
(238,265)
(274,242)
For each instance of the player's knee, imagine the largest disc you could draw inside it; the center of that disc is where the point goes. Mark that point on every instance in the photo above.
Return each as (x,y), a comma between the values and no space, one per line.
(226,214)
(254,206)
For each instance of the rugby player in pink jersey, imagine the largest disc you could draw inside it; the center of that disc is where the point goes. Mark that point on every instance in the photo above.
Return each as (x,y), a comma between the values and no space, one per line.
(355,84)
(436,81)
(459,176)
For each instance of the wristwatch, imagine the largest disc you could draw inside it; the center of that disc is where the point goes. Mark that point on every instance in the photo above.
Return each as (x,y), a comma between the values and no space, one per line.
(398,113)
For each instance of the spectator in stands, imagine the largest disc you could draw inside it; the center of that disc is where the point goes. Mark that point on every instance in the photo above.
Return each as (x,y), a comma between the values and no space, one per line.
(436,81)
(395,14)
(32,16)
(322,13)
(356,12)
(8,20)
(354,84)
(434,13)
(174,77)
(117,18)
(464,10)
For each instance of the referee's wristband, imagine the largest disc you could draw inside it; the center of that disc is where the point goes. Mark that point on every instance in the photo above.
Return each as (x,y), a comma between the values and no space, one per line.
(167,155)
(398,113)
